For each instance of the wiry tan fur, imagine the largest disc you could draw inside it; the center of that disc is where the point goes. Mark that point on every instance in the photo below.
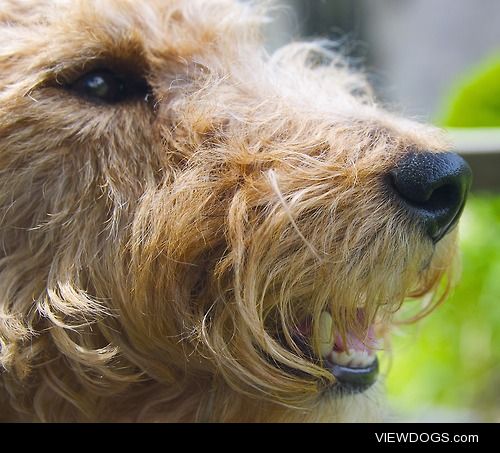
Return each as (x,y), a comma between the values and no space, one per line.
(156,257)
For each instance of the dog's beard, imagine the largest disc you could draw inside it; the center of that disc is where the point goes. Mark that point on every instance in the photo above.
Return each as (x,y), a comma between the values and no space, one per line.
(301,292)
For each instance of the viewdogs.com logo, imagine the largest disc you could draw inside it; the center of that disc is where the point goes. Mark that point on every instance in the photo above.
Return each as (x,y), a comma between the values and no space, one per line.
(425,437)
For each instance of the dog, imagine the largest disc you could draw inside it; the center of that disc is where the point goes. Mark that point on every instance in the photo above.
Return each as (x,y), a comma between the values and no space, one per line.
(193,229)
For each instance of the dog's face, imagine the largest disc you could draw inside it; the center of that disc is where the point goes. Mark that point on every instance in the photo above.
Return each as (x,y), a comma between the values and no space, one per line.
(192,229)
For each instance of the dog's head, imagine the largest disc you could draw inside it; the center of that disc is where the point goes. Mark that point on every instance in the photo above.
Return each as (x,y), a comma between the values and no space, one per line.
(193,229)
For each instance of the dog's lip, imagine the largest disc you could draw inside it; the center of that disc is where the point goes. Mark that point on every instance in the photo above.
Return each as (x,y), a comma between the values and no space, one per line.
(353,379)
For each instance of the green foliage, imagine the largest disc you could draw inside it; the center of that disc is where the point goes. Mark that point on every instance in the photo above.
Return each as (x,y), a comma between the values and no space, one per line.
(452,357)
(475,100)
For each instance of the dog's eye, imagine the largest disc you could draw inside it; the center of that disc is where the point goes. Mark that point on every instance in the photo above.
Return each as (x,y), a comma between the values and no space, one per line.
(109,87)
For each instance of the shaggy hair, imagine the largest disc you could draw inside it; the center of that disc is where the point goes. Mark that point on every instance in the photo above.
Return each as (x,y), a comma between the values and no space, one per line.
(158,255)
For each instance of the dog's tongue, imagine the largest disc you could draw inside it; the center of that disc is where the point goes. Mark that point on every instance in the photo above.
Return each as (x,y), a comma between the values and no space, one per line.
(353,343)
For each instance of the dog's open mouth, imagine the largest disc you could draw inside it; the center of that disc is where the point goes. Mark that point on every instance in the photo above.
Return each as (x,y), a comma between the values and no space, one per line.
(352,362)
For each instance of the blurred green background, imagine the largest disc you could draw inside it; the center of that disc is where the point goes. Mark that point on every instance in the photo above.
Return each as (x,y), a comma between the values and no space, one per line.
(448,366)
(436,61)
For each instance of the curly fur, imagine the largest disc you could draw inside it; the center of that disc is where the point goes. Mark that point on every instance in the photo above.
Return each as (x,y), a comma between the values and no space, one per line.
(156,256)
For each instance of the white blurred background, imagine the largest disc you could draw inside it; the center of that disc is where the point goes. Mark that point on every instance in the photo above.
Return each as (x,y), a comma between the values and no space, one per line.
(414,49)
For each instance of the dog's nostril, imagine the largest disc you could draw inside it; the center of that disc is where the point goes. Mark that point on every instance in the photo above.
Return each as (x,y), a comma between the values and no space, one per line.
(433,187)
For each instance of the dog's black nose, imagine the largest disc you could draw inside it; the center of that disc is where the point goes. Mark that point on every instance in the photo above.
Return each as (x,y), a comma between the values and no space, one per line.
(433,187)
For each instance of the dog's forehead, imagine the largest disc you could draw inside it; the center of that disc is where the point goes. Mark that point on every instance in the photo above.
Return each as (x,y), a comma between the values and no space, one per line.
(153,23)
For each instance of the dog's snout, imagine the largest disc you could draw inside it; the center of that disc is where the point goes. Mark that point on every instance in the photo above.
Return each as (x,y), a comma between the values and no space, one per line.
(433,187)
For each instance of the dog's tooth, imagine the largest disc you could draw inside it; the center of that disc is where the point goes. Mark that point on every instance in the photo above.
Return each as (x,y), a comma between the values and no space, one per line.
(361,358)
(326,339)
(340,358)
(355,360)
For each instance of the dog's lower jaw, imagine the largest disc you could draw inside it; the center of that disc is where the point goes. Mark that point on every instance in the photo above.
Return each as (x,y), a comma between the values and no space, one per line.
(345,407)
(327,407)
